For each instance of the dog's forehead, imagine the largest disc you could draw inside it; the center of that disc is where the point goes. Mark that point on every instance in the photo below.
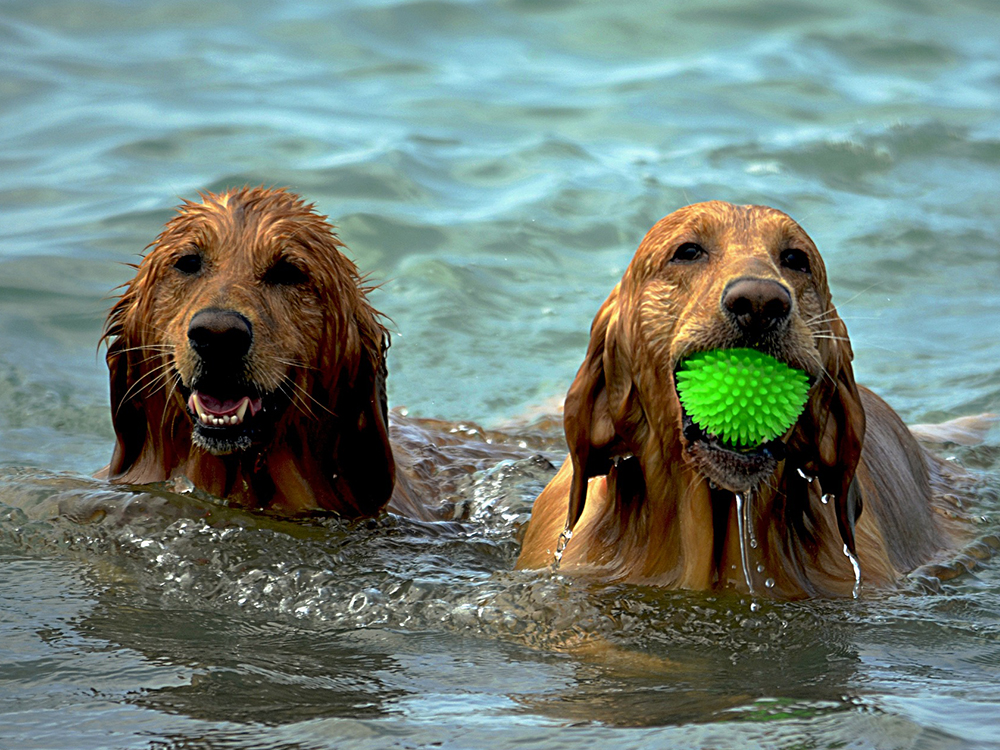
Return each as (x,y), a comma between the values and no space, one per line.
(268,221)
(718,226)
(244,222)
(720,223)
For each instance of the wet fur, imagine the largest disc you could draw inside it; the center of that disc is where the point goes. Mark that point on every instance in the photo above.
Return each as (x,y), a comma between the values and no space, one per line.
(637,492)
(318,347)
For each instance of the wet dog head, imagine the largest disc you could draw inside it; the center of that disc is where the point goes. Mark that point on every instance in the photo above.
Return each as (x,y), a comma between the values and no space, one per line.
(714,276)
(245,325)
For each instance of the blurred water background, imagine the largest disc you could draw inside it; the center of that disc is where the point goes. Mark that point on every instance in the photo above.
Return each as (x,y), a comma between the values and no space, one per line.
(494,163)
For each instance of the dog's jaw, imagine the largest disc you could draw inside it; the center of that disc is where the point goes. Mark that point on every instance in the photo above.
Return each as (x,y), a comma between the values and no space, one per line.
(230,425)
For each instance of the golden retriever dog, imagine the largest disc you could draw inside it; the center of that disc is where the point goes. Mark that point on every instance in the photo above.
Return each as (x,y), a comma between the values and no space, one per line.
(651,498)
(245,356)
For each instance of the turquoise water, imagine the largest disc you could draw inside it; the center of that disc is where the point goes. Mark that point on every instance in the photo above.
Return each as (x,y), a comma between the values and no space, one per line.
(494,165)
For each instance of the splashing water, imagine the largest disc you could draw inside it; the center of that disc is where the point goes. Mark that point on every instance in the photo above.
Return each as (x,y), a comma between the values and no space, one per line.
(856,565)
(743,520)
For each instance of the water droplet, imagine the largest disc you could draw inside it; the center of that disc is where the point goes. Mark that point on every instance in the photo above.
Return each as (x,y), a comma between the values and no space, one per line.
(754,606)
(827,498)
(760,567)
(805,476)
(769,583)
(183,485)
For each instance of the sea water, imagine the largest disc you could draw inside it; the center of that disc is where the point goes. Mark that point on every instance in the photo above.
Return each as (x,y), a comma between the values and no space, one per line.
(493,166)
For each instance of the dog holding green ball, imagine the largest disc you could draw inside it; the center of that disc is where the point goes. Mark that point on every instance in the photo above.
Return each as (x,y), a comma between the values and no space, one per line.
(717,438)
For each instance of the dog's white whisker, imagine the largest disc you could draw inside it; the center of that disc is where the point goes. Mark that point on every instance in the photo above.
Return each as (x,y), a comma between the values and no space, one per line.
(152,377)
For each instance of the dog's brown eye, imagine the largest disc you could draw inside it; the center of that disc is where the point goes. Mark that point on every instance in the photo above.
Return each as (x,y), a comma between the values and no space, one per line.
(796,260)
(688,252)
(189,264)
(285,273)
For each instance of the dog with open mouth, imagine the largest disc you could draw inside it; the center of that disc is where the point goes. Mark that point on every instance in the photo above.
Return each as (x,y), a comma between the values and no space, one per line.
(245,356)
(647,496)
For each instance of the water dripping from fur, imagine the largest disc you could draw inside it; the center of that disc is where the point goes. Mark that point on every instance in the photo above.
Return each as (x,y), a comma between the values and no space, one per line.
(747,540)
(856,565)
(561,543)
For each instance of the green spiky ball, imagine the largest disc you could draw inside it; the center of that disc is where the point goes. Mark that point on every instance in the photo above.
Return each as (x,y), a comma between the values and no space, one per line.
(741,395)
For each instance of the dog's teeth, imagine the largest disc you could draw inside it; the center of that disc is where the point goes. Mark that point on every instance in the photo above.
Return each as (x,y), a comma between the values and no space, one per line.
(195,404)
(219,420)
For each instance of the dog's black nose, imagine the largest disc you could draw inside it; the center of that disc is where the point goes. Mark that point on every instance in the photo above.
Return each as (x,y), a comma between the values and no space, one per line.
(220,334)
(757,306)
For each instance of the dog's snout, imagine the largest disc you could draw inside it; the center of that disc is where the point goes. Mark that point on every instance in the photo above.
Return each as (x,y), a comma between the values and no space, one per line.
(757,306)
(220,334)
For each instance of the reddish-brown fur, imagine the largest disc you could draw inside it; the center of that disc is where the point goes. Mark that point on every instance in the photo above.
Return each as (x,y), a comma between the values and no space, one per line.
(637,488)
(316,361)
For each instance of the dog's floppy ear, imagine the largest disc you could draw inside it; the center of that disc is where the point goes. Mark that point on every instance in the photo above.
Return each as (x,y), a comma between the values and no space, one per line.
(125,357)
(127,416)
(829,436)
(365,465)
(596,404)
